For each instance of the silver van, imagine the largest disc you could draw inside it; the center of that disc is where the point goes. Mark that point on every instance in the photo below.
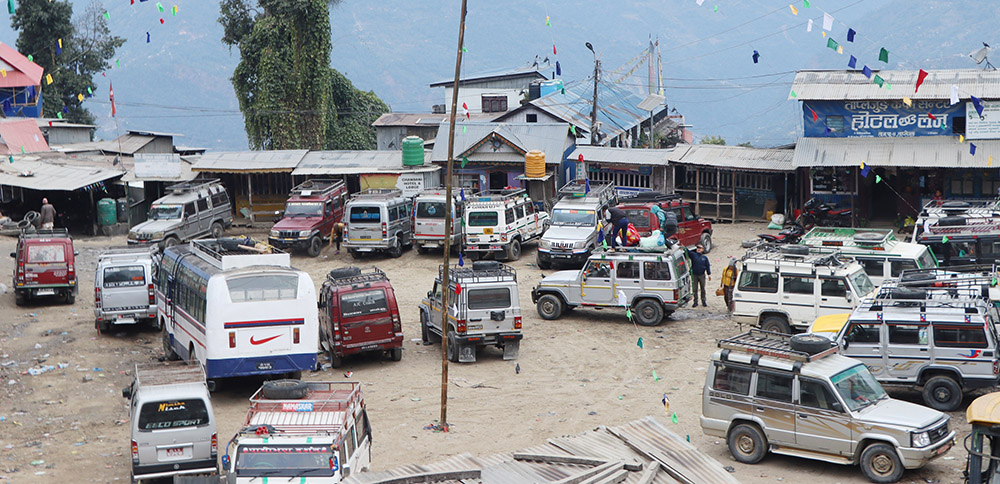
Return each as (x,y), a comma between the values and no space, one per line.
(171,421)
(123,289)
(428,218)
(378,220)
(793,395)
(188,211)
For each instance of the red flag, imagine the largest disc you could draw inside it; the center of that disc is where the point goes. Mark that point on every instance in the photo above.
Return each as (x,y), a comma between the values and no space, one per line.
(580,157)
(920,79)
(815,117)
(553,49)
(111,90)
(932,116)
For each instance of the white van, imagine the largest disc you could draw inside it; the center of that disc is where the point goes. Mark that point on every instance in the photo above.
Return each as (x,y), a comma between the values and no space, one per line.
(123,289)
(876,249)
(378,220)
(498,222)
(428,218)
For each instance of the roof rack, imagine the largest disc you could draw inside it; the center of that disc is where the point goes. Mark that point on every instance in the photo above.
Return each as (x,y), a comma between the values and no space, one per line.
(355,275)
(849,237)
(234,252)
(317,187)
(498,195)
(582,189)
(976,227)
(129,253)
(379,193)
(952,276)
(300,415)
(45,233)
(441,191)
(169,372)
(191,186)
(651,196)
(659,249)
(481,271)
(970,299)
(982,207)
(778,253)
(767,343)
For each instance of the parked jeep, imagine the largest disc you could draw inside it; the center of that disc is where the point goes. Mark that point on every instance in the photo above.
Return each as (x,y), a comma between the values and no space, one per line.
(653,284)
(190,210)
(312,209)
(499,222)
(45,265)
(358,314)
(691,228)
(572,236)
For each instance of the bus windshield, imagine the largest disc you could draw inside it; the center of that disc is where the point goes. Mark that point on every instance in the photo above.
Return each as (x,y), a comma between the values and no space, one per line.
(165,212)
(574,217)
(304,209)
(290,460)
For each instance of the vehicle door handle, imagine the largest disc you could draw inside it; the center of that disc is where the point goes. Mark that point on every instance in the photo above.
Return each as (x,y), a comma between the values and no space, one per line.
(802,415)
(822,299)
(477,319)
(760,409)
(784,297)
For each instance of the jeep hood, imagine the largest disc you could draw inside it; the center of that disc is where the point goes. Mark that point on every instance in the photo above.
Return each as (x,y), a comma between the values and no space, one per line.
(900,414)
(297,223)
(153,226)
(568,233)
(561,277)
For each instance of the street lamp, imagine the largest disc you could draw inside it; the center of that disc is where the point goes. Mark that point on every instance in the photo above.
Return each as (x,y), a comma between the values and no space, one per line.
(593,111)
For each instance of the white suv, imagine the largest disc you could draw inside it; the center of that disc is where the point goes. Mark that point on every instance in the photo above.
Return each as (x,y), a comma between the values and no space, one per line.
(500,222)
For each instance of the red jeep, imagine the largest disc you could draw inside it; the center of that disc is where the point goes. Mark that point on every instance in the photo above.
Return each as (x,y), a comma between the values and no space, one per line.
(358,314)
(313,207)
(691,228)
(45,266)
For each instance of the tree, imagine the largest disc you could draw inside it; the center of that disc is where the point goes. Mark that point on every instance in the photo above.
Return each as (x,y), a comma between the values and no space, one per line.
(713,140)
(289,95)
(745,144)
(87,49)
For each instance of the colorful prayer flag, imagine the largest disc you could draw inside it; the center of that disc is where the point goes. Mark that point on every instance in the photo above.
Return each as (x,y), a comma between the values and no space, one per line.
(878,80)
(961,138)
(48,79)
(972,149)
(80,97)
(907,101)
(465,161)
(794,95)
(795,11)
(756,55)
(978,104)
(639,343)
(840,49)
(815,116)
(883,55)
(107,15)
(805,3)
(547,23)
(878,179)
(944,239)
(853,63)
(558,69)
(827,21)
(865,169)
(809,26)
(850,35)
(921,75)
(10,10)
(954,95)
(929,115)
(111,96)
(831,43)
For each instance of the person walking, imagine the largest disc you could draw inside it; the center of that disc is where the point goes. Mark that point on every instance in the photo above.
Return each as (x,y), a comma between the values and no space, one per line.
(700,269)
(337,235)
(619,225)
(48,214)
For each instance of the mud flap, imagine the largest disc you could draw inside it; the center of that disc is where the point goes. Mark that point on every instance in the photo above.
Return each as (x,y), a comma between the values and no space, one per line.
(510,350)
(467,353)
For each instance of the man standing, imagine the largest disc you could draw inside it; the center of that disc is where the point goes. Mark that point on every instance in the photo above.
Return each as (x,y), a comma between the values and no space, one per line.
(48,213)
(700,269)
(337,235)
(619,225)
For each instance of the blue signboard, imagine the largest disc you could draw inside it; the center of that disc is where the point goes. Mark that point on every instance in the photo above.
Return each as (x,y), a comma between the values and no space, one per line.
(880,119)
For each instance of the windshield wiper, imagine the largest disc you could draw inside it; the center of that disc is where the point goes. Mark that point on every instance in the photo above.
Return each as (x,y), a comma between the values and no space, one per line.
(303,472)
(264,474)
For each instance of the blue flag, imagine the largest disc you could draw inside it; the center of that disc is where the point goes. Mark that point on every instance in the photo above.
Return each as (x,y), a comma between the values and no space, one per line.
(756,56)
(972,148)
(460,261)
(462,193)
(865,170)
(558,69)
(853,63)
(978,103)
(850,35)
(586,185)
(867,72)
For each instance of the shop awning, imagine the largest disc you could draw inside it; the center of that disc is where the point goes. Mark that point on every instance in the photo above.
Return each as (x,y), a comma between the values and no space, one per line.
(917,152)
(356,162)
(52,175)
(277,161)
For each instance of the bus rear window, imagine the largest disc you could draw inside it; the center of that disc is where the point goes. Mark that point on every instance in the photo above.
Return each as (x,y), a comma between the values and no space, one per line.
(371,214)
(172,414)
(124,276)
(363,303)
(484,219)
(263,287)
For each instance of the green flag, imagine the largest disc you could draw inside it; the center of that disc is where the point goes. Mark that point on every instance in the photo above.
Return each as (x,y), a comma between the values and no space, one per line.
(59,114)
(11,158)
(878,80)
(31,58)
(639,343)
(831,43)
(464,49)
(628,313)
(878,179)
(10,6)
(673,418)
(883,55)
(572,129)
(716,9)
(107,15)
(805,3)
(464,160)
(655,376)
(944,239)
(22,149)
(794,95)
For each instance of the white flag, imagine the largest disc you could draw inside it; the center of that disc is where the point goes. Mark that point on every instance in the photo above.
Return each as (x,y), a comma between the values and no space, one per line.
(809,28)
(622,300)
(954,94)
(827,21)
(700,2)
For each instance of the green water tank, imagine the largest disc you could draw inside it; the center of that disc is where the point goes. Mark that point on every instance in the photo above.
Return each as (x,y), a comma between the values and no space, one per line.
(107,211)
(413,151)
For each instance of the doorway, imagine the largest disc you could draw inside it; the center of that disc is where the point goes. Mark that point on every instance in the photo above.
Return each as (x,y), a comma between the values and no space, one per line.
(498,180)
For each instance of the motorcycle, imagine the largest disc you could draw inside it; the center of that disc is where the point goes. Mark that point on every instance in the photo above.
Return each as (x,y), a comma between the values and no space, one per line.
(815,213)
(790,234)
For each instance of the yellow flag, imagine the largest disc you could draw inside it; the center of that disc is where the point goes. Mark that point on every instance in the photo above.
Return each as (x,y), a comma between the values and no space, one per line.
(989,162)
(862,165)
(824,33)
(961,138)
(907,101)
(60,43)
(48,78)
(80,97)
(840,49)
(4,72)
(795,11)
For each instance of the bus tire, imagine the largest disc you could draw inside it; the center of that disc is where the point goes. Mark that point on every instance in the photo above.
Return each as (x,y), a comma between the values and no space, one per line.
(315,246)
(284,389)
(168,350)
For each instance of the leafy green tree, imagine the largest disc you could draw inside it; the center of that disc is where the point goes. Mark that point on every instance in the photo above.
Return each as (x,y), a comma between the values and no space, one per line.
(87,49)
(289,95)
(713,140)
(745,144)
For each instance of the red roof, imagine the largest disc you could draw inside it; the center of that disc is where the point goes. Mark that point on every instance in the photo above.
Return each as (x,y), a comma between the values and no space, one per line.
(21,132)
(24,73)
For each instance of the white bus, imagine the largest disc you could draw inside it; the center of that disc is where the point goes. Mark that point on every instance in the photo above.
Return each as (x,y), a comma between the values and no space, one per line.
(237,311)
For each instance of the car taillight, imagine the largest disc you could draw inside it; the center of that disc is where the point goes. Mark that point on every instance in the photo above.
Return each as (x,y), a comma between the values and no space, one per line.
(295,335)
(336,328)
(517,322)
(152,295)
(97,297)
(461,325)
(503,237)
(215,445)
(135,452)
(20,271)
(996,368)
(383,230)
(677,296)
(396,327)
(232,339)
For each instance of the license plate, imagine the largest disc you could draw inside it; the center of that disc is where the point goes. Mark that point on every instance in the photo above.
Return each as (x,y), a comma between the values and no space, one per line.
(124,320)
(265,365)
(364,250)
(369,347)
(943,449)
(45,292)
(563,256)
(488,231)
(175,452)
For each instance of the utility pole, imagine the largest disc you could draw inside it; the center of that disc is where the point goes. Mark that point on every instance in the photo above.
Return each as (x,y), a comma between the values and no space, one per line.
(445,289)
(593,111)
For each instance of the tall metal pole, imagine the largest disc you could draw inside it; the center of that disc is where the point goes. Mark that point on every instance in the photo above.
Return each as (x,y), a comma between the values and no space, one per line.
(593,111)
(445,290)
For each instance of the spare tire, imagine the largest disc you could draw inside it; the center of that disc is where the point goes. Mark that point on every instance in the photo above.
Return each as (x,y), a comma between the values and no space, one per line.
(951,221)
(486,265)
(284,389)
(746,244)
(916,278)
(810,343)
(914,293)
(868,237)
(32,216)
(955,206)
(342,272)
(795,249)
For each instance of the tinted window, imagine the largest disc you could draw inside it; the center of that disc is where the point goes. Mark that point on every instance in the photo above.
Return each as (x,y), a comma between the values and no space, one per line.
(363,303)
(189,209)
(907,334)
(638,217)
(46,253)
(366,214)
(202,204)
(519,210)
(759,281)
(656,271)
(172,414)
(798,285)
(899,266)
(263,287)
(430,210)
(596,268)
(833,287)
(688,213)
(815,394)
(732,379)
(873,267)
(124,276)
(863,333)
(509,215)
(393,214)
(774,386)
(218,198)
(490,298)
(627,270)
(960,337)
(483,219)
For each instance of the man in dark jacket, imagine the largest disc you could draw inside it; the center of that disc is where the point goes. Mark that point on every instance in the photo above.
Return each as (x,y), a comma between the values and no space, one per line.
(619,225)
(700,269)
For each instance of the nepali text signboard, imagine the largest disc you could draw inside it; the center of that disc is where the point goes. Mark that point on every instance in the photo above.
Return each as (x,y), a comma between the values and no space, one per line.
(986,126)
(161,166)
(880,119)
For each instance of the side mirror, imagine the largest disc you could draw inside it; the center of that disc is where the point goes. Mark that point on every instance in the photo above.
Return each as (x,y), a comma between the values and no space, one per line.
(76,252)
(848,296)
(127,392)
(837,407)
(225,461)
(430,294)
(13,254)
(845,344)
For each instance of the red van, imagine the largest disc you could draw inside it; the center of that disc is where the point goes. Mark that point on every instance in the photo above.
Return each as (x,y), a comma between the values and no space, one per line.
(691,228)
(358,314)
(45,266)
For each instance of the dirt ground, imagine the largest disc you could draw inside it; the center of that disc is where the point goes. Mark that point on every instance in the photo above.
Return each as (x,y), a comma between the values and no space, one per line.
(584,370)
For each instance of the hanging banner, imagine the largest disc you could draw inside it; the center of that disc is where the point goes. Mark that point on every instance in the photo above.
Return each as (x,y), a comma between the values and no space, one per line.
(880,119)
(986,126)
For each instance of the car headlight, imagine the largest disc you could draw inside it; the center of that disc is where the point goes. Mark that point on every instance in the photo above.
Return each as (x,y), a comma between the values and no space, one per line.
(158,235)
(920,439)
(545,244)
(274,233)
(579,244)
(305,234)
(133,236)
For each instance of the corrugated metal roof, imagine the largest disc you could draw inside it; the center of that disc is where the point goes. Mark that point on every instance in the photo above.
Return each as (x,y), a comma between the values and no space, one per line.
(52,174)
(25,73)
(357,162)
(630,156)
(553,139)
(426,119)
(126,144)
(738,158)
(924,151)
(21,134)
(277,161)
(527,70)
(613,444)
(849,85)
(617,108)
